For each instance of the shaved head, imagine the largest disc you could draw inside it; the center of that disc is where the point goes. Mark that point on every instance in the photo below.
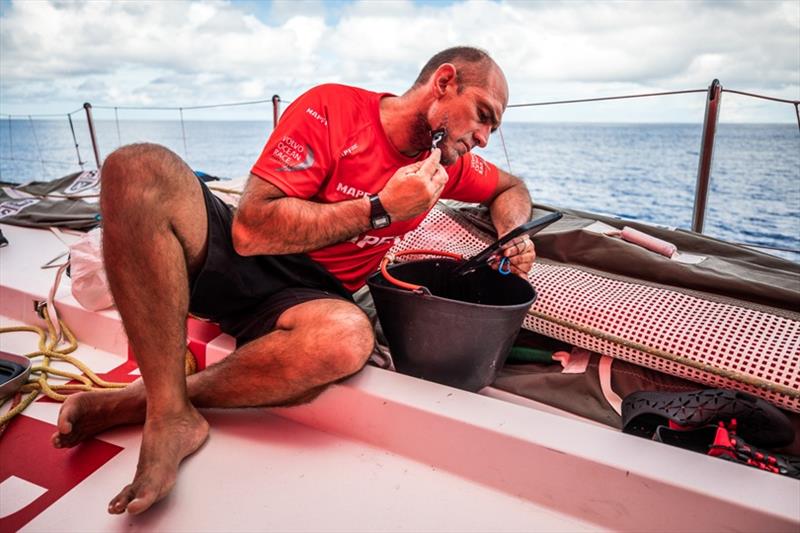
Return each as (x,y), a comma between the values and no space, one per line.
(473,66)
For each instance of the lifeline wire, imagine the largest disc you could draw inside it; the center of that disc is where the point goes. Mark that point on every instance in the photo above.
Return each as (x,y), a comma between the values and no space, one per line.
(116,119)
(36,139)
(603,98)
(208,106)
(797,112)
(28,160)
(795,103)
(10,138)
(503,142)
(183,131)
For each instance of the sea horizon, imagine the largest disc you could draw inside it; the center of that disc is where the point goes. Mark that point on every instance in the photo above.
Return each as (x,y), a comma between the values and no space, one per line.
(640,171)
(5,117)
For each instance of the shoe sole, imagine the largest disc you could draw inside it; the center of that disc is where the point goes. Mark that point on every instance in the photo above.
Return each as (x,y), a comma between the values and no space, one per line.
(757,421)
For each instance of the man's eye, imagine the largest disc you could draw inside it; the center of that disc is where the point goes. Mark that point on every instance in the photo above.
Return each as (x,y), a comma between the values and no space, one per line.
(482,116)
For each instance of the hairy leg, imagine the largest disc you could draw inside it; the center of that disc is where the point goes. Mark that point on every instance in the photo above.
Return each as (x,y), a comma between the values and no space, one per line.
(154,238)
(314,344)
(154,235)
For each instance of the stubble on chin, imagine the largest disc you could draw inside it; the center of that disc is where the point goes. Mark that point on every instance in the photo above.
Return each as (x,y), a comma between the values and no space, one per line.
(421,138)
(421,133)
(449,154)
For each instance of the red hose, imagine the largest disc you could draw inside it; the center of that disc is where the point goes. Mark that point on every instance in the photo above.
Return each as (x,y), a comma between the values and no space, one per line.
(410,286)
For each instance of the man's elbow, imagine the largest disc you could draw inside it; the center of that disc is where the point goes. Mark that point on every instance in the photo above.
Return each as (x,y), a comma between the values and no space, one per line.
(242,238)
(512,188)
(517,183)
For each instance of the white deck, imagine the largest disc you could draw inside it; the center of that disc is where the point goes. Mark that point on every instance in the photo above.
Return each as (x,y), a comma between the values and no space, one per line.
(382,451)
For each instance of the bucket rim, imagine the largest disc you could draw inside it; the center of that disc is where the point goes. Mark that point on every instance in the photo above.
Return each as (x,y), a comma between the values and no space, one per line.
(377,275)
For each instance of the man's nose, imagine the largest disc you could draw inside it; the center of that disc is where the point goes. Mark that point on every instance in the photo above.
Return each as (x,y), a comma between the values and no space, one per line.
(482,136)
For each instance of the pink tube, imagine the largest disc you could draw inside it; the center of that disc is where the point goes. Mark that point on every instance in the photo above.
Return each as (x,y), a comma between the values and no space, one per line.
(644,240)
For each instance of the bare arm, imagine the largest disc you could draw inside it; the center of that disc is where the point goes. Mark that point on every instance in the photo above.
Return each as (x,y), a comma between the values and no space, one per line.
(510,207)
(511,204)
(268,222)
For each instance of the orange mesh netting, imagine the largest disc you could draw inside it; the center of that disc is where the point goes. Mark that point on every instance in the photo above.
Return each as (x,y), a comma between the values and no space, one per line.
(717,344)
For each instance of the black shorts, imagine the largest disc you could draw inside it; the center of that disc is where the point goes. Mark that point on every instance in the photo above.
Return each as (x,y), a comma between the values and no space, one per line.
(247,295)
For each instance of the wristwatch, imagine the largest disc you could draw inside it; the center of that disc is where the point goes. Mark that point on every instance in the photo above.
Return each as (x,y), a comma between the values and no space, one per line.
(378,216)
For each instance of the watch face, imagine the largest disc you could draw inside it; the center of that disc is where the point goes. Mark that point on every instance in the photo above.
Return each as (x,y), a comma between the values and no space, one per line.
(380,222)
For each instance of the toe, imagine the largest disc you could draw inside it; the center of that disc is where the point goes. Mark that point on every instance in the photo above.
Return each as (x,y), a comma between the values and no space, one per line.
(61,440)
(142,502)
(121,500)
(64,423)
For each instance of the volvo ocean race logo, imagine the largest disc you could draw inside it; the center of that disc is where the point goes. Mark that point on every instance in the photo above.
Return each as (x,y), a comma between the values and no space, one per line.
(293,155)
(478,164)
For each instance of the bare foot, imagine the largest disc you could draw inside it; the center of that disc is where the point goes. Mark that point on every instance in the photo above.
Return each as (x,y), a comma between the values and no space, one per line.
(166,441)
(86,414)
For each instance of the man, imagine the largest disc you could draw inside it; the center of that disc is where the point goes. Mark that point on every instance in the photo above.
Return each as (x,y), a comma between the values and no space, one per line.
(345,173)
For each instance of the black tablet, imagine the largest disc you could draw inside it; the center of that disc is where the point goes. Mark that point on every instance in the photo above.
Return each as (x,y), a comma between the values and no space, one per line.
(529,228)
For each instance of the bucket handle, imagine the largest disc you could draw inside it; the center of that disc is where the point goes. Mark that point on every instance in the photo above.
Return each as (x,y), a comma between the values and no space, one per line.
(410,286)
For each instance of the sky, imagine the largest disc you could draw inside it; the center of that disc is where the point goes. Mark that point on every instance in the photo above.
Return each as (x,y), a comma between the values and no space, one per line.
(56,55)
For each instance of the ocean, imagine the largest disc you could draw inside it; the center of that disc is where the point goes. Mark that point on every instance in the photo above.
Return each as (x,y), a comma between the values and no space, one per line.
(645,172)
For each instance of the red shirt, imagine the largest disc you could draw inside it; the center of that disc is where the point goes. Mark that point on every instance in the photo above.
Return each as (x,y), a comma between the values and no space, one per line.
(330,146)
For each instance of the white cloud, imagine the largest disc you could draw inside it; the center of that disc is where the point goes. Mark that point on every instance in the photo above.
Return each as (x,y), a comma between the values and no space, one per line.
(184,53)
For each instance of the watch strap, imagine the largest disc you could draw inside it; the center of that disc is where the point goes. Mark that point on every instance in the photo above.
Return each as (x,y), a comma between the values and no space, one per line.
(378,216)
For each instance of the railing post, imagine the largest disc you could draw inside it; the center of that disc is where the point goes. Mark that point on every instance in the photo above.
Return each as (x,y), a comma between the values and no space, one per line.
(276,110)
(706,155)
(88,108)
(75,140)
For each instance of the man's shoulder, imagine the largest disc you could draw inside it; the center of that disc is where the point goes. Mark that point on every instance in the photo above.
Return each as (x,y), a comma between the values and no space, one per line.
(340,93)
(345,110)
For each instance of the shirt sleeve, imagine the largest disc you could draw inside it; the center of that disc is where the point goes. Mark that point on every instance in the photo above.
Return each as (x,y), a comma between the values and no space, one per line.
(297,156)
(472,179)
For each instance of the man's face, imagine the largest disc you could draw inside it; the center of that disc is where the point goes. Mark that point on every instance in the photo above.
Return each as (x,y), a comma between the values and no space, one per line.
(469,117)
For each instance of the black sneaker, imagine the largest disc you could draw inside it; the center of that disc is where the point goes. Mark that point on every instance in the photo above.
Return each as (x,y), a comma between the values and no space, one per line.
(722,441)
(758,421)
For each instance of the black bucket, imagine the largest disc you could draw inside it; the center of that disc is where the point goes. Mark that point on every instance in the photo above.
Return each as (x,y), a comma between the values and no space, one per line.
(461,333)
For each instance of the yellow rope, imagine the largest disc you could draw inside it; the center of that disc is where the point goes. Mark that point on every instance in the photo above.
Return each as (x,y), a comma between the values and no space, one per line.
(19,408)
(39,380)
(49,350)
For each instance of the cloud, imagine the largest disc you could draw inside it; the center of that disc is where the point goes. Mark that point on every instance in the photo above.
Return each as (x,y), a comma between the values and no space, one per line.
(184,53)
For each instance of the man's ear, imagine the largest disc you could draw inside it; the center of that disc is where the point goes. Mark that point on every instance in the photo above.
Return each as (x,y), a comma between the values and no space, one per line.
(444,77)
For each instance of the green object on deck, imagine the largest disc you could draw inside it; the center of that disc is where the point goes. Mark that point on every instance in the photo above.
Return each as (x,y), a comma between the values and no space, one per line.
(521,354)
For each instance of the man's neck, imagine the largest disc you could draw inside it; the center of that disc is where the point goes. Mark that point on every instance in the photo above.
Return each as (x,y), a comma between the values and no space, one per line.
(399,115)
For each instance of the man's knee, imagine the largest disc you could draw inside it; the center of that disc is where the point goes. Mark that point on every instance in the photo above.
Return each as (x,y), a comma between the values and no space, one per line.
(361,345)
(336,335)
(140,166)
(128,160)
(137,174)
(352,339)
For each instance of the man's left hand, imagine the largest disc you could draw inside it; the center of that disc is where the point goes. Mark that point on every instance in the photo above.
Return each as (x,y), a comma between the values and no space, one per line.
(521,254)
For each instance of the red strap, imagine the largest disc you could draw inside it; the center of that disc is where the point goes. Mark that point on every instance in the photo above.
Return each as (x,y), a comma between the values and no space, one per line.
(410,286)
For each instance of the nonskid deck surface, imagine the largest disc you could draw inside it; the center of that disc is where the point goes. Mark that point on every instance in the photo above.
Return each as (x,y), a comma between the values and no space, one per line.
(258,471)
(379,452)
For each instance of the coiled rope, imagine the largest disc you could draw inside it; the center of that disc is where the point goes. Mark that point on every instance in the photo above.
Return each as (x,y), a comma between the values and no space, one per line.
(51,348)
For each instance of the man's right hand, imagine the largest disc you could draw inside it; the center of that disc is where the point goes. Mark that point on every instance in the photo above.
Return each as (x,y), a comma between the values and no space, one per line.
(413,189)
